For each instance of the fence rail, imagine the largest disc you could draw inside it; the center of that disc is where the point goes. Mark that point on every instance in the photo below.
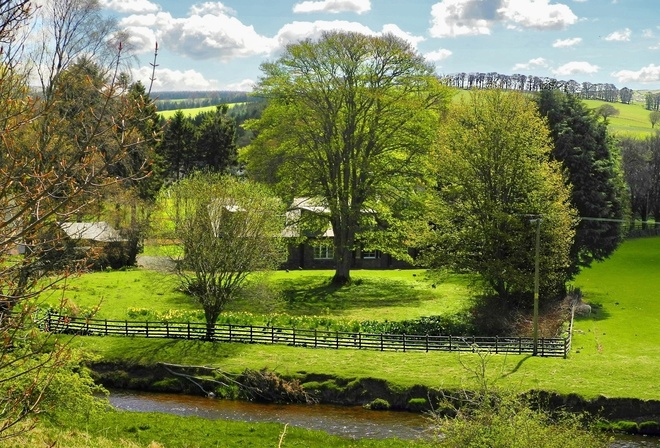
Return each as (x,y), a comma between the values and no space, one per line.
(250,334)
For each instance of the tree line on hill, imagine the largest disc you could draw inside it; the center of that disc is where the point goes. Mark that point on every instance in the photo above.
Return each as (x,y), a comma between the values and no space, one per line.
(190,100)
(530,83)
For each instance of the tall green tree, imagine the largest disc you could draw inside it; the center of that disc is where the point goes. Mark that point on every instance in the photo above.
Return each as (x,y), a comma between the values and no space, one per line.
(590,161)
(227,229)
(495,177)
(350,120)
(215,146)
(177,146)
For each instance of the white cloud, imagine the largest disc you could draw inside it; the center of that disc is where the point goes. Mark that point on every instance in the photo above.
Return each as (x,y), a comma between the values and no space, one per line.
(130,6)
(210,31)
(539,14)
(247,85)
(437,55)
(648,33)
(564,43)
(650,73)
(619,36)
(295,31)
(530,65)
(168,80)
(212,8)
(391,28)
(576,67)
(333,6)
(450,18)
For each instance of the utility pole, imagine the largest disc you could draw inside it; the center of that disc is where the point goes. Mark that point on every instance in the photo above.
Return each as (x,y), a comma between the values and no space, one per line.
(536,284)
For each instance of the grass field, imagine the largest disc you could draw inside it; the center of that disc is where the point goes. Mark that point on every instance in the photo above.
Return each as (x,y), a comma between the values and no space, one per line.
(632,121)
(616,350)
(192,112)
(375,295)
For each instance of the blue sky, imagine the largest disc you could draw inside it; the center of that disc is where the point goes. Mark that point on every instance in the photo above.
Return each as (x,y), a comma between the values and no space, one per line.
(220,45)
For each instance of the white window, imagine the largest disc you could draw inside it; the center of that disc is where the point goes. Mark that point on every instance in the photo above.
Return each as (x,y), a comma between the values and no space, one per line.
(370,254)
(324,252)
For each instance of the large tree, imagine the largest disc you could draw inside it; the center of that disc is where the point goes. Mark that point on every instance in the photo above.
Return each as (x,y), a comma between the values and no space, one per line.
(227,228)
(586,152)
(495,180)
(350,120)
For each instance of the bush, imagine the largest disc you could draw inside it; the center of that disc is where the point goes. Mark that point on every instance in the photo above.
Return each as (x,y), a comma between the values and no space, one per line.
(508,421)
(378,404)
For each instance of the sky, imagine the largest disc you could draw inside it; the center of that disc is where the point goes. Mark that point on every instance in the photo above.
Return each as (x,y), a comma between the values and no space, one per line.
(220,45)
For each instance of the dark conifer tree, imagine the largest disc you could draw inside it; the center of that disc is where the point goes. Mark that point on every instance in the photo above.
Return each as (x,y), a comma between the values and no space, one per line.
(582,145)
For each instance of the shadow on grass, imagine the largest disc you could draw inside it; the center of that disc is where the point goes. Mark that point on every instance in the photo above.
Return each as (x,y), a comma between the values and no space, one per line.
(177,351)
(516,367)
(316,294)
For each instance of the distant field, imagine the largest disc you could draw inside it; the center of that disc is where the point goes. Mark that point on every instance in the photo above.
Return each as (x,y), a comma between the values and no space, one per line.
(192,112)
(632,121)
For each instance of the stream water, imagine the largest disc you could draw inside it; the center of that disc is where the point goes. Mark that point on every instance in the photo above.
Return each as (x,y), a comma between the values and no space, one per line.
(351,422)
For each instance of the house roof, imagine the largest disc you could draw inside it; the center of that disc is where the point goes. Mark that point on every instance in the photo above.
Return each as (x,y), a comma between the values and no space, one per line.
(99,231)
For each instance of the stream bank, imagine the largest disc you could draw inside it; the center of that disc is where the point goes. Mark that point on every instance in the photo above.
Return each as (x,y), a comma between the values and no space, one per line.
(327,389)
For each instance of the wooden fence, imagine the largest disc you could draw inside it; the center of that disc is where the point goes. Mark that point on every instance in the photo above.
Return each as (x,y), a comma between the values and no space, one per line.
(249,334)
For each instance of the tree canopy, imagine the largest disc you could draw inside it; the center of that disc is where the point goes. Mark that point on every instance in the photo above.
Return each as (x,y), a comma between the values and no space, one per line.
(350,120)
(587,154)
(227,228)
(494,178)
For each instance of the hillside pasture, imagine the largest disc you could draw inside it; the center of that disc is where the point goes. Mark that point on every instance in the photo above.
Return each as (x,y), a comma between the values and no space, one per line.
(632,121)
(193,112)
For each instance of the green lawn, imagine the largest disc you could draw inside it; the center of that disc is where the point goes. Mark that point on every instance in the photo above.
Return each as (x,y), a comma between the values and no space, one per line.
(375,295)
(616,350)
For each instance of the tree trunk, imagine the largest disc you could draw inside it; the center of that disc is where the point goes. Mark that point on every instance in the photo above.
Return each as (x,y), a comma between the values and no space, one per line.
(342,267)
(343,245)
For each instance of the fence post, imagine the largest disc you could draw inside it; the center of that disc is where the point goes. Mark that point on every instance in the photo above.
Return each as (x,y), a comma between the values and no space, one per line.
(381,342)
(360,340)
(126,327)
(404,342)
(147,328)
(542,347)
(251,332)
(188,329)
(106,327)
(167,329)
(497,338)
(230,333)
(450,343)
(293,331)
(337,339)
(272,335)
(315,338)
(427,342)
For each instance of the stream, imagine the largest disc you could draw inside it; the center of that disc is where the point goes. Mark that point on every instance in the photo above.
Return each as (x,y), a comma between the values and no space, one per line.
(346,421)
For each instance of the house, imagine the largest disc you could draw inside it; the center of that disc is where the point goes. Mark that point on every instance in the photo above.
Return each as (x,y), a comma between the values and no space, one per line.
(100,243)
(312,246)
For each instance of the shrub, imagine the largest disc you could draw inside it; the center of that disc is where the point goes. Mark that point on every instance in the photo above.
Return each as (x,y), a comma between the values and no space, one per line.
(508,421)
(378,404)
